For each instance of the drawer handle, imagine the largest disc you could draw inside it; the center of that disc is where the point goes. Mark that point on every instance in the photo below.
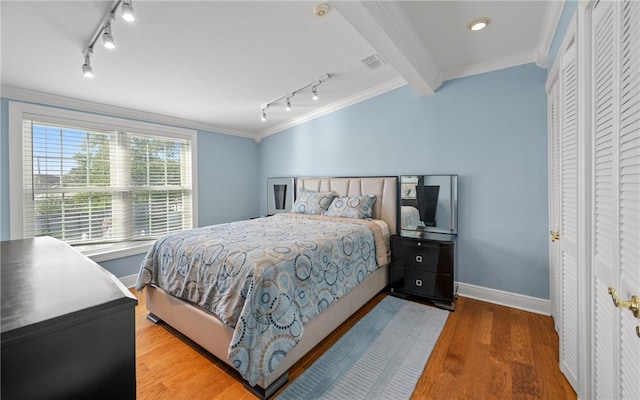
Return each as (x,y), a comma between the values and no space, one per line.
(418,282)
(419,259)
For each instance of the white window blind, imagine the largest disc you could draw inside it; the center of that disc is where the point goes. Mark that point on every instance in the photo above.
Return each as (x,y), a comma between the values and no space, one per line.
(91,186)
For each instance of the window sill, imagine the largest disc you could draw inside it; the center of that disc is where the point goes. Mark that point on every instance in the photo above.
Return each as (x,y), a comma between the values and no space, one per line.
(115,251)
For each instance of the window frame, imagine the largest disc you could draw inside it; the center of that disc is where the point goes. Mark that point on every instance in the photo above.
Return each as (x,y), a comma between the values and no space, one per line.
(19,111)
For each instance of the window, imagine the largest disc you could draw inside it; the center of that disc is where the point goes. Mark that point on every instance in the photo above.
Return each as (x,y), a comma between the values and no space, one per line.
(102,183)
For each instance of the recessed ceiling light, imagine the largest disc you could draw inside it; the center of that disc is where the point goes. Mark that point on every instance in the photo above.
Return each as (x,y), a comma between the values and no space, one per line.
(321,10)
(478,24)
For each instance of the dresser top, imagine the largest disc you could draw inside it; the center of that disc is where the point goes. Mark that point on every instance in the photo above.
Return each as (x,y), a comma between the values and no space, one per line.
(44,281)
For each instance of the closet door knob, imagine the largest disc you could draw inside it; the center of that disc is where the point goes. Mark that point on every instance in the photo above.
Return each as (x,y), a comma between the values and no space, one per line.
(632,305)
(419,259)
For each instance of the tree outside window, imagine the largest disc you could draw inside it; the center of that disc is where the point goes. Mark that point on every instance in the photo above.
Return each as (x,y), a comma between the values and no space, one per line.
(112,186)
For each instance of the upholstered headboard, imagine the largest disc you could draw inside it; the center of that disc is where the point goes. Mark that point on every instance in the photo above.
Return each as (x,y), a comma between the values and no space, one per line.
(384,187)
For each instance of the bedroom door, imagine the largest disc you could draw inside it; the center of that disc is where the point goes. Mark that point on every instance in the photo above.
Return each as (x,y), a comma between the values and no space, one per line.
(568,223)
(555,271)
(564,208)
(564,211)
(615,110)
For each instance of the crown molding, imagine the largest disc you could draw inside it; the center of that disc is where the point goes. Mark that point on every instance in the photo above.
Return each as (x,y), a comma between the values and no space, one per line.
(33,96)
(338,105)
(549,26)
(567,41)
(512,60)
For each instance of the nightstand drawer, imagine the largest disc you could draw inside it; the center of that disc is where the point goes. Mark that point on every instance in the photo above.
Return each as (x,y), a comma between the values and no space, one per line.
(421,283)
(423,255)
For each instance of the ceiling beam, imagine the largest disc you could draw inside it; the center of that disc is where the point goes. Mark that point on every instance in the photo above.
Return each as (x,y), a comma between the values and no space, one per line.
(385,25)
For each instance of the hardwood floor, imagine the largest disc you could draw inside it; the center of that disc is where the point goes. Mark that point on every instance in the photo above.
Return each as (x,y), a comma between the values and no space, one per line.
(485,351)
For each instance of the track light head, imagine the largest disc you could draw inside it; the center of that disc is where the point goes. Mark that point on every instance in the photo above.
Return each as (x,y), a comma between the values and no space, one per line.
(287,97)
(109,43)
(127,11)
(104,30)
(87,71)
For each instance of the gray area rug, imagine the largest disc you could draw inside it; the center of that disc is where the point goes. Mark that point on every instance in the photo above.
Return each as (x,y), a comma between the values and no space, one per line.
(381,357)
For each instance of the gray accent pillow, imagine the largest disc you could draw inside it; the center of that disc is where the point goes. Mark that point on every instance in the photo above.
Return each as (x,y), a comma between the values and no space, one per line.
(352,206)
(313,203)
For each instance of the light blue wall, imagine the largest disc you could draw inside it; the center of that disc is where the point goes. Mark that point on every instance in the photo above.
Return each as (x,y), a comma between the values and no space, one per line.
(227,178)
(568,10)
(227,184)
(490,129)
(124,266)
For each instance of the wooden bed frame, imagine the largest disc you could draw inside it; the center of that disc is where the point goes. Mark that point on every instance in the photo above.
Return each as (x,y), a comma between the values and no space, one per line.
(207,331)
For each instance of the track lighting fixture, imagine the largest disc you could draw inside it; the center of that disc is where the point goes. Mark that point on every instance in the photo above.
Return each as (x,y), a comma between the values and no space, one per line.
(107,38)
(104,31)
(314,95)
(127,11)
(87,71)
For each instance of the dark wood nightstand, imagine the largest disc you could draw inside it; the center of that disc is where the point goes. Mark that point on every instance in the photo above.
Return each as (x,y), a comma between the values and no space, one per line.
(424,267)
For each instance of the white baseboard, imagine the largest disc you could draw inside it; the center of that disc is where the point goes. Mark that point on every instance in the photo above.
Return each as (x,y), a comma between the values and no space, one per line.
(509,299)
(129,281)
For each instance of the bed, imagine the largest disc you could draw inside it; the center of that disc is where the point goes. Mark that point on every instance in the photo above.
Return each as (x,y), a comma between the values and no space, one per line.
(257,330)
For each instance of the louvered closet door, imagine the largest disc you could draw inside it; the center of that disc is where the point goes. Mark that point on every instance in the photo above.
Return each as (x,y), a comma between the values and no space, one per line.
(555,271)
(616,196)
(568,201)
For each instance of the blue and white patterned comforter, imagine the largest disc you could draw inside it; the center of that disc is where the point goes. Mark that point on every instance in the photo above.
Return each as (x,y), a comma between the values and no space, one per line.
(266,277)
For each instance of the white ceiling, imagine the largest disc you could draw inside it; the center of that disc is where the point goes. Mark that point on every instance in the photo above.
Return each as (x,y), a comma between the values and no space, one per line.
(217,63)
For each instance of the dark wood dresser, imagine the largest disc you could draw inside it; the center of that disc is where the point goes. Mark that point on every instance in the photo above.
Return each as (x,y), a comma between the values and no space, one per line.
(424,267)
(68,325)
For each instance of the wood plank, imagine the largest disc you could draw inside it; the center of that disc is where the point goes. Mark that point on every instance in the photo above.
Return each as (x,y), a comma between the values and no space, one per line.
(484,351)
(521,341)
